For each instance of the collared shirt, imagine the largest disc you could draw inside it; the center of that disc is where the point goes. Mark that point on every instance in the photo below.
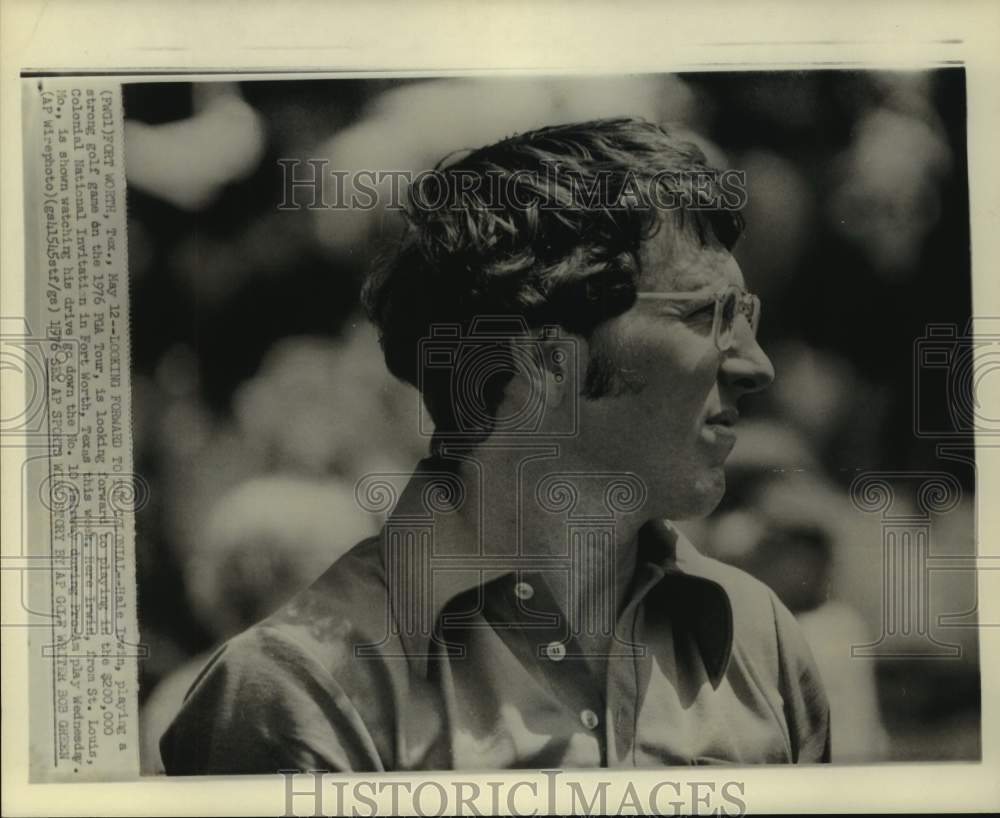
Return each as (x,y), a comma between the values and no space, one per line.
(420,650)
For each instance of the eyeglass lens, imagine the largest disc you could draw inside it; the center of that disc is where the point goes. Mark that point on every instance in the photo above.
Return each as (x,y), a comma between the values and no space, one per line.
(732,304)
(727,319)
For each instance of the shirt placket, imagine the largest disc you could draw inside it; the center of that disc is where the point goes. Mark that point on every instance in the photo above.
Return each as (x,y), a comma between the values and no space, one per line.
(546,641)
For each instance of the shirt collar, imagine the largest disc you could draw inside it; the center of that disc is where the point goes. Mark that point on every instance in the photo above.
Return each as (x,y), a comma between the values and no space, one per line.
(430,556)
(704,601)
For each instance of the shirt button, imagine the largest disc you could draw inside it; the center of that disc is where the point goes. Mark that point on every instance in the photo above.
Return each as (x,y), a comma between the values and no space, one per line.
(523,591)
(588,718)
(556,651)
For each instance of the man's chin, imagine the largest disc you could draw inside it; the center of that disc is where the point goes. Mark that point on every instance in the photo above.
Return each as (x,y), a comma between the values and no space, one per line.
(701,498)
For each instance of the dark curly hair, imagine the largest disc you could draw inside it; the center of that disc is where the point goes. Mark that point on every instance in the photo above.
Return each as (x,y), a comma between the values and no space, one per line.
(551,233)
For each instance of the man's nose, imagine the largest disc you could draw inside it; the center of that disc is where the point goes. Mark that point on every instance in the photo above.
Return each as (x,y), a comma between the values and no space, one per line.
(746,367)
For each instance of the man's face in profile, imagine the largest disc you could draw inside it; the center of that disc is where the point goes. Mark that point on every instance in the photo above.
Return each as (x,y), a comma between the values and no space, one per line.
(677,424)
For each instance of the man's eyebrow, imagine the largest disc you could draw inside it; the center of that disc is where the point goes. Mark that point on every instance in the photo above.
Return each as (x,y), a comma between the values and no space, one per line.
(696,278)
(691,281)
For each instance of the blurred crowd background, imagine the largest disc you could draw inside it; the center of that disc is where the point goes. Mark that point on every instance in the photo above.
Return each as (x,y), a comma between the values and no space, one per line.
(260,396)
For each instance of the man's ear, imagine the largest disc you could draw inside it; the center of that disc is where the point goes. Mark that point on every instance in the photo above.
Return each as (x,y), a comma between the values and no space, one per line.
(548,372)
(560,355)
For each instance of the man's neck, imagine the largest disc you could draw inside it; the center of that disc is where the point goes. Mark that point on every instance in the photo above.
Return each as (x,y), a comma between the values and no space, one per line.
(529,501)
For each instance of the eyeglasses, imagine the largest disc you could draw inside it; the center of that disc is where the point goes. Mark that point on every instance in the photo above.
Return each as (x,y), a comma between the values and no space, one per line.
(729,303)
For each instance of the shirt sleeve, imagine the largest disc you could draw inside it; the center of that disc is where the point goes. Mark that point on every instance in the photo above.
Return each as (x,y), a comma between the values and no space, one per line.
(807,709)
(264,704)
